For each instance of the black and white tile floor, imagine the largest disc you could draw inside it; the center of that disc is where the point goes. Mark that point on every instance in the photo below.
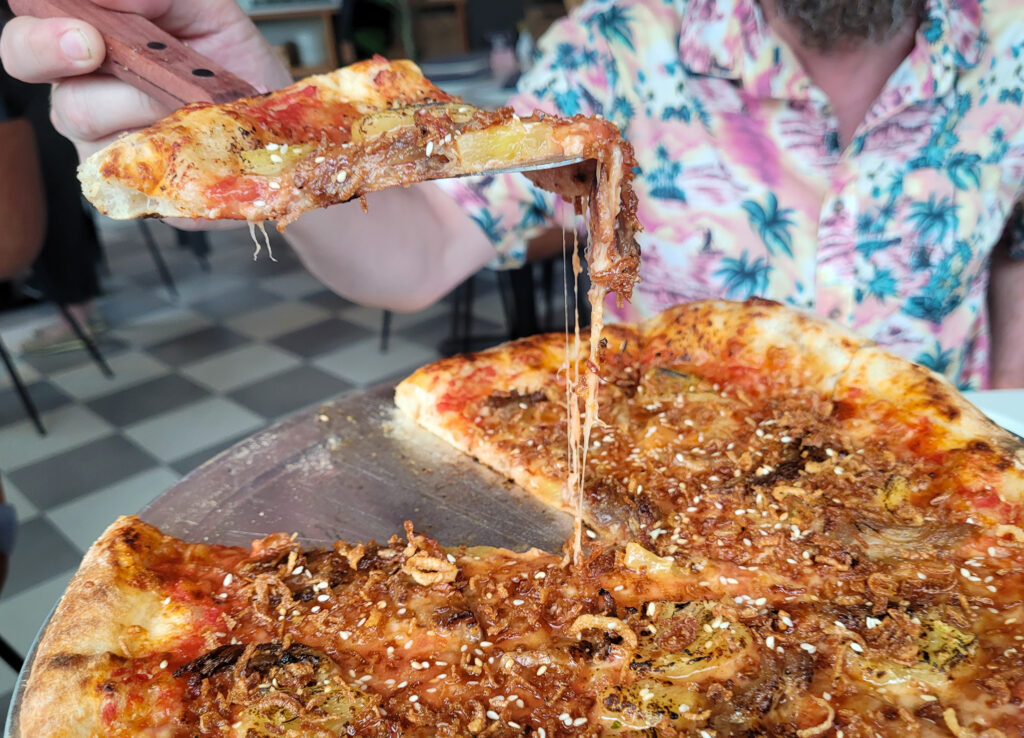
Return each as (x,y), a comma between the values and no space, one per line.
(243,345)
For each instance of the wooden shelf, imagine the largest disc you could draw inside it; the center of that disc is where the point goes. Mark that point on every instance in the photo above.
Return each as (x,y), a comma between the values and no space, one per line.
(422,11)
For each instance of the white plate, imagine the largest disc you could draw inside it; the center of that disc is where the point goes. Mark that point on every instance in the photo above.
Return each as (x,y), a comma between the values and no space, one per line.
(1005,407)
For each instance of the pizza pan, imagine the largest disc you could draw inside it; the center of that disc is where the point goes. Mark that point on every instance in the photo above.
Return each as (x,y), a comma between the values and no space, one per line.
(352,469)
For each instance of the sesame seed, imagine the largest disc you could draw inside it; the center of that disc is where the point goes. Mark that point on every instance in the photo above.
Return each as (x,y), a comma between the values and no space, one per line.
(341,176)
(492,715)
(323,598)
(259,203)
(539,575)
(808,647)
(770,641)
(276,159)
(274,185)
(542,669)
(413,698)
(517,603)
(579,721)
(272,147)
(163,664)
(315,608)
(485,644)
(320,160)
(857,647)
(430,148)
(513,724)
(296,571)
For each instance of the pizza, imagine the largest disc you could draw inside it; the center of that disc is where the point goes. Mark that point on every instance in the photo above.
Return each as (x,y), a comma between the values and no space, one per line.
(792,533)
(787,465)
(363,128)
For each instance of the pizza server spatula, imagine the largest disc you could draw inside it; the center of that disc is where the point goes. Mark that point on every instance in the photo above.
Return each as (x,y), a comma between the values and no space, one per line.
(145,56)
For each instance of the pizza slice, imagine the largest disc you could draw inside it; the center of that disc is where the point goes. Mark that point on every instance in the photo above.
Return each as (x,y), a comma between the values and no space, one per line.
(367,127)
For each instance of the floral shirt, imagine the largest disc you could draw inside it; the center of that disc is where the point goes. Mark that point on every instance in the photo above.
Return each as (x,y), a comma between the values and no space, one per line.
(744,189)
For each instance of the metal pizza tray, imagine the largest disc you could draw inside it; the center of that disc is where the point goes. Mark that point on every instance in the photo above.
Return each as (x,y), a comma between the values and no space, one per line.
(352,469)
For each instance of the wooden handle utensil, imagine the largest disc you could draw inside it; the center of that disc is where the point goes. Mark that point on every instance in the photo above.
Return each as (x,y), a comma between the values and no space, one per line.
(145,56)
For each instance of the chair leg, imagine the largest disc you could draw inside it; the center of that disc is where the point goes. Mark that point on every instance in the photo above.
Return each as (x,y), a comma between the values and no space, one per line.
(22,390)
(385,331)
(524,296)
(10,656)
(467,316)
(548,283)
(86,338)
(158,259)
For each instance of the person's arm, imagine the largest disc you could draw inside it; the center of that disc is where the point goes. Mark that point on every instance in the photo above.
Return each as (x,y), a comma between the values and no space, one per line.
(413,246)
(1006,306)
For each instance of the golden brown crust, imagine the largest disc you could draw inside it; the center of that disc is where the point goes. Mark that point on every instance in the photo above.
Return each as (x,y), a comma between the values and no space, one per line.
(62,694)
(759,345)
(439,396)
(982,464)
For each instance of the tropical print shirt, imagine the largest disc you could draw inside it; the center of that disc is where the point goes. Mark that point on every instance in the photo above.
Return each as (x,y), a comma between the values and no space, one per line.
(744,189)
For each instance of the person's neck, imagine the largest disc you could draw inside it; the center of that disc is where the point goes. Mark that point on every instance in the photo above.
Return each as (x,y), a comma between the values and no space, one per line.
(853,76)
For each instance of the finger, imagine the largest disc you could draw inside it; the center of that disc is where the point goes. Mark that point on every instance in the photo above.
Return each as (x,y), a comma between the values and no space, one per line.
(183,18)
(148,8)
(96,107)
(46,49)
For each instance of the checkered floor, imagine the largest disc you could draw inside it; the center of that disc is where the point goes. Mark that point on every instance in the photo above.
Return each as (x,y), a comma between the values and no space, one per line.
(243,345)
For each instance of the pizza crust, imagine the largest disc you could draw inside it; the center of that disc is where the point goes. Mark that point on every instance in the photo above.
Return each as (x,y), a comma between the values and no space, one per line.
(880,392)
(759,345)
(524,366)
(98,619)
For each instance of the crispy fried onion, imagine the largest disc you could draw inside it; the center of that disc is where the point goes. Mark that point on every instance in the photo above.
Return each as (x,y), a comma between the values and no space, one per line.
(960,731)
(1013,531)
(603,622)
(824,726)
(428,570)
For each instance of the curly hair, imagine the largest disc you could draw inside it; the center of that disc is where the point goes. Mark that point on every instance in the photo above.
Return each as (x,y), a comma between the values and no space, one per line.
(829,24)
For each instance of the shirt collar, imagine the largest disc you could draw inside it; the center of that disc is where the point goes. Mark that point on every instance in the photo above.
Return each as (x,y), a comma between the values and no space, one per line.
(731,39)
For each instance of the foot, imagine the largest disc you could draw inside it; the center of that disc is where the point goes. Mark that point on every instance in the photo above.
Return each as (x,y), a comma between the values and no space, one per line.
(58,337)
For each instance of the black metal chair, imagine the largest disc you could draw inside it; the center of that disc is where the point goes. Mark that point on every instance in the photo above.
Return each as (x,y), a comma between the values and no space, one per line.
(8,525)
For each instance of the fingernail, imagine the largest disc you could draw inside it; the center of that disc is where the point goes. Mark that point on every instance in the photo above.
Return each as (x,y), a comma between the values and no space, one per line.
(75,45)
